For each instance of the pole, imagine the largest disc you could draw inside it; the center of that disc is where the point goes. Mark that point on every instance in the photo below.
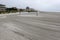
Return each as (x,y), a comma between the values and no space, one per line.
(37,13)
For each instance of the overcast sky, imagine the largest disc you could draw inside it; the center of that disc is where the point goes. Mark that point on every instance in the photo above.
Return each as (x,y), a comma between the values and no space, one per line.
(43,5)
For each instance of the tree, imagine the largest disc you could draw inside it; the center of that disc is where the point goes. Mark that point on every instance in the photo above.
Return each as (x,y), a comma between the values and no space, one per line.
(27,7)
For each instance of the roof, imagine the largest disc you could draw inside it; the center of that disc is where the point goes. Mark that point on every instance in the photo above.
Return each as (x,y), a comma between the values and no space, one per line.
(2,5)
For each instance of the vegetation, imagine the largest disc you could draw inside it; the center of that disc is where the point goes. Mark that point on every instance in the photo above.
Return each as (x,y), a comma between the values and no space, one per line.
(14,10)
(11,10)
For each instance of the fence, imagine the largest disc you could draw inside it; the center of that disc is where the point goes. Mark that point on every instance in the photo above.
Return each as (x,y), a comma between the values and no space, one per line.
(29,13)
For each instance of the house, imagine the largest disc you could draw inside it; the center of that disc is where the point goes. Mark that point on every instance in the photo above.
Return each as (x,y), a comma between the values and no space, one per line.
(2,8)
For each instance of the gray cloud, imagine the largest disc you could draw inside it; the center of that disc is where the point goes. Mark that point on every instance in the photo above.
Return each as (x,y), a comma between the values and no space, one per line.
(44,5)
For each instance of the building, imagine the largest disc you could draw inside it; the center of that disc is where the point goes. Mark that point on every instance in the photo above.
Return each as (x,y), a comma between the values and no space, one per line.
(2,8)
